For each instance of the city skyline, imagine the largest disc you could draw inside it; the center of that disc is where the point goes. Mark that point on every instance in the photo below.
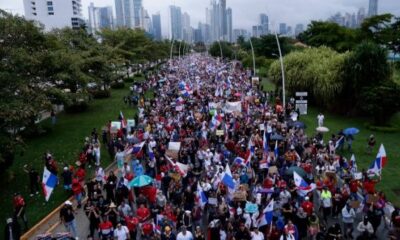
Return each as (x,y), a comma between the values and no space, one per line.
(247,13)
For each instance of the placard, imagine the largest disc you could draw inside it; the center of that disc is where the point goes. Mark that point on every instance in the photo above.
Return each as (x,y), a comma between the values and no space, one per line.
(212,201)
(115,126)
(239,196)
(372,198)
(357,175)
(233,107)
(261,127)
(130,123)
(251,207)
(179,108)
(355,204)
(220,133)
(174,146)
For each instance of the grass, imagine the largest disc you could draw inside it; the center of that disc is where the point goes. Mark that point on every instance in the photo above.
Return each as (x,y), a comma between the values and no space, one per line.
(390,175)
(64,141)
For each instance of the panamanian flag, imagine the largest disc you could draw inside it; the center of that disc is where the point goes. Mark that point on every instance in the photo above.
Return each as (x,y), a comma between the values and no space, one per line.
(302,186)
(267,214)
(49,182)
(379,162)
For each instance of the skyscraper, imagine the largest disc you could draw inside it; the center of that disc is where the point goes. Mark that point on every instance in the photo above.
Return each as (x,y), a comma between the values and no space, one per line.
(264,23)
(229,25)
(223,20)
(137,14)
(55,13)
(282,28)
(99,17)
(186,28)
(129,13)
(360,16)
(156,26)
(176,22)
(239,32)
(299,29)
(373,8)
(217,17)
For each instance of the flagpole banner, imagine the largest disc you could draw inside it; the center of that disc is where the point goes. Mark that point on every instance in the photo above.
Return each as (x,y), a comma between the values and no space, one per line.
(49,182)
(130,123)
(115,126)
(174,146)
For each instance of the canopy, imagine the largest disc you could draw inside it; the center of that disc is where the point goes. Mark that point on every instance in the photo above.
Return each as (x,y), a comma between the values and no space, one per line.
(351,131)
(140,181)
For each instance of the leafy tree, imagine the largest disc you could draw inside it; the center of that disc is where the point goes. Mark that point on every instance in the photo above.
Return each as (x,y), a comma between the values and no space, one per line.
(377,28)
(329,34)
(227,50)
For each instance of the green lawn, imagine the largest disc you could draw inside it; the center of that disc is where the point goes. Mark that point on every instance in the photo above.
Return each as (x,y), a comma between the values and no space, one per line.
(65,142)
(390,177)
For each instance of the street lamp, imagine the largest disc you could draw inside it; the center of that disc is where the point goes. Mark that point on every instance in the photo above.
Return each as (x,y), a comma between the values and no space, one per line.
(170,53)
(179,53)
(254,60)
(282,70)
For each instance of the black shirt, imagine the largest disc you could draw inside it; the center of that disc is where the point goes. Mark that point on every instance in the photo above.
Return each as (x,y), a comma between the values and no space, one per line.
(67,214)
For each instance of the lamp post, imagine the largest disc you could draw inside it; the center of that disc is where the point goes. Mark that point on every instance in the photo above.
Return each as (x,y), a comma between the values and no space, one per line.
(254,60)
(170,53)
(220,49)
(179,53)
(283,72)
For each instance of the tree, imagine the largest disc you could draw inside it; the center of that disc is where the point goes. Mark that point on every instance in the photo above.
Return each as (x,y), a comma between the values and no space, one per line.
(329,34)
(227,50)
(377,28)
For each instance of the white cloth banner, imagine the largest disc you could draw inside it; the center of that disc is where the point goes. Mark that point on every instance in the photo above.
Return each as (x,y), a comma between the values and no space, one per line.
(233,107)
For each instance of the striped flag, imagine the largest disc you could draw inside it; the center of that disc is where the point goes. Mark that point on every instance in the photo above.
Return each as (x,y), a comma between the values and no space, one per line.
(49,182)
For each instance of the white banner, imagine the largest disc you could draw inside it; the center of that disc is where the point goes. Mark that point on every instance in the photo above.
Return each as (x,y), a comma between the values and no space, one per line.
(233,107)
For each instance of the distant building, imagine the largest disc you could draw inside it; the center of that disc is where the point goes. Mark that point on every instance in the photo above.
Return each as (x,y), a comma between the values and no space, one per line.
(282,28)
(138,14)
(298,29)
(264,22)
(360,16)
(239,32)
(289,31)
(229,25)
(99,18)
(373,8)
(156,26)
(176,22)
(55,13)
(129,13)
(256,31)
(187,30)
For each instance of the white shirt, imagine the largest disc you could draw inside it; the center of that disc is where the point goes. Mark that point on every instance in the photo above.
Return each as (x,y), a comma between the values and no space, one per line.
(187,236)
(121,234)
(255,236)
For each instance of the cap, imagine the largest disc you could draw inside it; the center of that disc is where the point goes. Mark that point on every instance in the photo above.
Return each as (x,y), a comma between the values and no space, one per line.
(65,168)
(68,202)
(306,198)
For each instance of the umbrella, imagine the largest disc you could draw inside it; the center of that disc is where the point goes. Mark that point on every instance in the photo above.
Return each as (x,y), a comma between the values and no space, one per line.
(351,131)
(276,136)
(322,129)
(296,169)
(297,124)
(140,181)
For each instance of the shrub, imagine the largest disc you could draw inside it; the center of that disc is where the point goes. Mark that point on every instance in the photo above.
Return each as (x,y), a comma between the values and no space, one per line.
(98,94)
(117,84)
(385,129)
(79,103)
(129,79)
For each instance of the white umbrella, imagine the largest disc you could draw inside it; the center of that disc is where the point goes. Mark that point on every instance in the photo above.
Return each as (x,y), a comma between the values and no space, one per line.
(322,129)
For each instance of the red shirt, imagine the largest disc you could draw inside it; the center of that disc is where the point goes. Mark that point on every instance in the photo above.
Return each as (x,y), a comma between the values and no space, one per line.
(147,228)
(80,174)
(106,227)
(18,202)
(131,223)
(143,213)
(369,186)
(307,207)
(353,186)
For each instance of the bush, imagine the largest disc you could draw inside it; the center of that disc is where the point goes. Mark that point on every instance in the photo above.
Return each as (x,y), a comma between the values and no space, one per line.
(79,103)
(117,85)
(129,79)
(98,94)
(385,129)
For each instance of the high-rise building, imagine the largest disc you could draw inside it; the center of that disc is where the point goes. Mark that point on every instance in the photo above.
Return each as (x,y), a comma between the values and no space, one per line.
(229,25)
(373,8)
(360,16)
(137,14)
(257,31)
(282,28)
(176,22)
(264,23)
(289,31)
(145,21)
(187,30)
(55,13)
(99,18)
(298,29)
(157,26)
(239,32)
(129,13)
(217,16)
(223,21)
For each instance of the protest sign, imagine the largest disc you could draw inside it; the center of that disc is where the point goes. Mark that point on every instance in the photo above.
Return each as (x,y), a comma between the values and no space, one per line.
(115,126)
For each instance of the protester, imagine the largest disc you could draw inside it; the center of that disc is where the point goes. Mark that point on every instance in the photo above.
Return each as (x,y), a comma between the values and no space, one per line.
(67,217)
(19,209)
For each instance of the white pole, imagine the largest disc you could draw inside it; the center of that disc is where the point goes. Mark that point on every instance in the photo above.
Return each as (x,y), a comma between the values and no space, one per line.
(254,60)
(220,49)
(180,50)
(283,72)
(170,53)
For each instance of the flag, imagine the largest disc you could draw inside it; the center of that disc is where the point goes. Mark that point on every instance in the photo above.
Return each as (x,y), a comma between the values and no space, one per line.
(49,182)
(353,163)
(179,100)
(239,161)
(339,142)
(265,159)
(227,178)
(276,151)
(122,119)
(379,162)
(263,164)
(137,148)
(201,196)
(181,168)
(266,216)
(151,154)
(302,186)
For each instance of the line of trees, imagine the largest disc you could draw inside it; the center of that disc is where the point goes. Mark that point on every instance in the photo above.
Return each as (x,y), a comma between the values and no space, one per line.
(39,69)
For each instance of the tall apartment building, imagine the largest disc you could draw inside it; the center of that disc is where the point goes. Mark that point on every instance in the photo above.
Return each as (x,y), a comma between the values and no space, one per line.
(99,18)
(55,13)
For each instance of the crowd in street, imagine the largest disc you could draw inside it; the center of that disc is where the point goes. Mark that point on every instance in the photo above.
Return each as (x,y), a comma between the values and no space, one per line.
(211,156)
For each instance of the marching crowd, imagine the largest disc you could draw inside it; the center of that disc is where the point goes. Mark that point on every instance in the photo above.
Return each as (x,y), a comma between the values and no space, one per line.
(211,156)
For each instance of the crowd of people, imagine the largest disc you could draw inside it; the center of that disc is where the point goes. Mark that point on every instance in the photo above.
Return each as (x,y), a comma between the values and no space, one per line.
(225,162)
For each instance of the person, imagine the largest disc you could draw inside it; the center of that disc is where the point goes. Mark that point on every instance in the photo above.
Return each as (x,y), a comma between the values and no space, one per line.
(121,232)
(326,199)
(67,217)
(365,228)
(67,178)
(243,233)
(93,214)
(167,234)
(106,229)
(287,236)
(34,179)
(77,189)
(348,216)
(184,234)
(53,117)
(12,229)
(370,143)
(198,234)
(334,232)
(320,119)
(256,234)
(132,223)
(19,209)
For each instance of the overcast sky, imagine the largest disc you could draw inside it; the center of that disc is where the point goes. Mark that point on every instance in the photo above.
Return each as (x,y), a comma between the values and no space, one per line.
(245,12)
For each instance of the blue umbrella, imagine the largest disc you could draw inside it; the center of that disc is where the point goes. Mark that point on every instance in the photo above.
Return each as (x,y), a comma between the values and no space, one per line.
(351,131)
(141,181)
(297,124)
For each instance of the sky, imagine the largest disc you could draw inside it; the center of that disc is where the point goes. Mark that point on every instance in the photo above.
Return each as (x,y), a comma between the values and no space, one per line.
(245,12)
